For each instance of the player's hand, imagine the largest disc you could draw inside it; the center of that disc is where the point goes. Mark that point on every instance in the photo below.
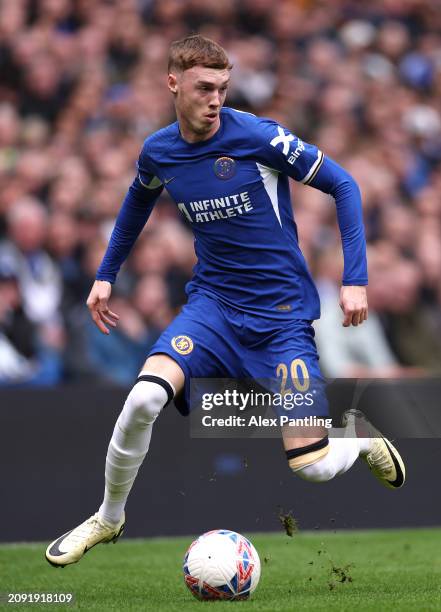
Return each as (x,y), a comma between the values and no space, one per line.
(97,303)
(353,302)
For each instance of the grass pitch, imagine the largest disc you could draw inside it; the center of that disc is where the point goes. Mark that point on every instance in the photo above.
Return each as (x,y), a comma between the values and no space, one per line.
(345,571)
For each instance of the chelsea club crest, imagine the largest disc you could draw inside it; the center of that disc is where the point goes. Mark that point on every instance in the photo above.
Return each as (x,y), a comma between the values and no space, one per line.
(182,344)
(225,167)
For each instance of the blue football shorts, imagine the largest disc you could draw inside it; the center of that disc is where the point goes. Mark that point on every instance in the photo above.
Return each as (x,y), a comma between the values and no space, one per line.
(210,340)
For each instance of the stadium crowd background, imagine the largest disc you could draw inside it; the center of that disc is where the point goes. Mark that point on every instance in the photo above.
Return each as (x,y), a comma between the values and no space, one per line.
(83,82)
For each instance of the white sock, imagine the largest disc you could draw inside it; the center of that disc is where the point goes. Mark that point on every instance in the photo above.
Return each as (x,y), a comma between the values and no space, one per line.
(342,454)
(129,445)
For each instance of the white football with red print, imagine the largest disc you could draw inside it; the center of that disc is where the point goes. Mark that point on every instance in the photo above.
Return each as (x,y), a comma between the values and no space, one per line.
(221,564)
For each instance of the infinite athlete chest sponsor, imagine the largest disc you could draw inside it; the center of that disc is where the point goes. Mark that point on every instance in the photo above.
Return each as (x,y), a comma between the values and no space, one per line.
(215,209)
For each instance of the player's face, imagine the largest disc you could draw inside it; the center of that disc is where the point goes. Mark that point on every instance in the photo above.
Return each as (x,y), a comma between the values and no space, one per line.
(199,96)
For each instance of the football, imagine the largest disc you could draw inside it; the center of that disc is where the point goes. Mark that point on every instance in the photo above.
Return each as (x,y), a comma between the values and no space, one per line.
(221,564)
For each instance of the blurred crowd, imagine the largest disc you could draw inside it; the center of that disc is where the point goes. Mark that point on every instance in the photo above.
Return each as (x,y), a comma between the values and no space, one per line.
(83,82)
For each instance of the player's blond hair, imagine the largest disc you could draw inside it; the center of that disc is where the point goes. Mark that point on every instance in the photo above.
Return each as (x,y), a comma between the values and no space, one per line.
(196,50)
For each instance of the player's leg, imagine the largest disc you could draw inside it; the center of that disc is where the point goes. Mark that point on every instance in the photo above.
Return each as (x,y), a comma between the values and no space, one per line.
(292,358)
(321,459)
(191,347)
(159,380)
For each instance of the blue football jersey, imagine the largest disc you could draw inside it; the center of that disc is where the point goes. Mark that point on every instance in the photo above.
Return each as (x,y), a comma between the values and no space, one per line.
(233,189)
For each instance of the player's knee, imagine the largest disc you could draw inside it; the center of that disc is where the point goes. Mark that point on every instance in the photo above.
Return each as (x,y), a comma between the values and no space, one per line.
(146,400)
(312,462)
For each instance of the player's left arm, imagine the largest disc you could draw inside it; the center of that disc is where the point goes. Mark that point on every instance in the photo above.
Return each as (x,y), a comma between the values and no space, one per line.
(333,179)
(305,163)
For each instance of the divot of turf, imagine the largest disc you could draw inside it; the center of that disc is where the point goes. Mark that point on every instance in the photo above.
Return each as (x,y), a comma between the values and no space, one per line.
(289,523)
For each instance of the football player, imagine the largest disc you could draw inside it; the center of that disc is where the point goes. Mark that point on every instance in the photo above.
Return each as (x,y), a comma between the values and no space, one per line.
(251,302)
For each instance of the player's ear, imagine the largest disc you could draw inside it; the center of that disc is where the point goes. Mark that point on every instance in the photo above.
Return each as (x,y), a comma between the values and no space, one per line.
(172,83)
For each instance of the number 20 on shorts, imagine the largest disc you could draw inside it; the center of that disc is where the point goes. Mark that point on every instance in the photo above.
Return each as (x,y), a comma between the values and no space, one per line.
(298,373)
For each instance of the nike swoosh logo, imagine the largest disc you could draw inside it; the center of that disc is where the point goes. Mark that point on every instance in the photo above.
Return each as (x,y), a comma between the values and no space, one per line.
(55,548)
(155,182)
(399,481)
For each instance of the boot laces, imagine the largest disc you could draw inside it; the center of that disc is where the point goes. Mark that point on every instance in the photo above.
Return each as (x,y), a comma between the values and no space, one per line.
(89,528)
(379,460)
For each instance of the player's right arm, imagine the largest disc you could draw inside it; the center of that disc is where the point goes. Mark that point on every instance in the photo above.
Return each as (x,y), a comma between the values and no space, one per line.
(97,303)
(135,211)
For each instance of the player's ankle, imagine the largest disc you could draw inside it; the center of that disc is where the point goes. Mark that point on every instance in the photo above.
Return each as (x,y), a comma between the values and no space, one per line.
(109,518)
(365,445)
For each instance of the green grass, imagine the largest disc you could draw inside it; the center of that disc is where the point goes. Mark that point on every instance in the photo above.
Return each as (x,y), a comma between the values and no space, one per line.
(384,571)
